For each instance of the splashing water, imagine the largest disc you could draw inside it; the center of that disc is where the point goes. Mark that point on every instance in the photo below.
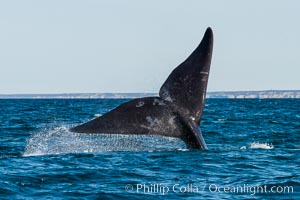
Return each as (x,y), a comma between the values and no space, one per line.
(61,140)
(257,145)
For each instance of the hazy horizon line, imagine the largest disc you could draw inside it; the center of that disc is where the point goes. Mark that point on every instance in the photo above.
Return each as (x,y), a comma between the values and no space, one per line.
(288,90)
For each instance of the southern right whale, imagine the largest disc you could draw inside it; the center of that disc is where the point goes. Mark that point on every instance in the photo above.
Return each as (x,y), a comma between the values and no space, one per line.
(176,112)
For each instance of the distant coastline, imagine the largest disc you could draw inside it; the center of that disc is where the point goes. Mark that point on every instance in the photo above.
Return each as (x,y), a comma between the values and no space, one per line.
(266,94)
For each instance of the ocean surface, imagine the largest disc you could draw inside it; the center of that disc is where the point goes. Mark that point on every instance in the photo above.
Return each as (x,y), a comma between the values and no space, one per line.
(254,153)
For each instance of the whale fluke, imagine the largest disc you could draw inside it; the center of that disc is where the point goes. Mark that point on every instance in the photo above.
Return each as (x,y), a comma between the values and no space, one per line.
(175,113)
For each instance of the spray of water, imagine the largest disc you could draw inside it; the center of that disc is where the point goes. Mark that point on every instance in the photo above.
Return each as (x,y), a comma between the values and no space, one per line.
(258,145)
(61,140)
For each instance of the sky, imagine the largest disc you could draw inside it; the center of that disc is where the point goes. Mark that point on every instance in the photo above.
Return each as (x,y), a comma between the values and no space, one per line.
(69,46)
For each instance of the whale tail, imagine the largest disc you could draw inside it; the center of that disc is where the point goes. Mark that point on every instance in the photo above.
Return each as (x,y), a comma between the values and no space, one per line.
(176,112)
(186,85)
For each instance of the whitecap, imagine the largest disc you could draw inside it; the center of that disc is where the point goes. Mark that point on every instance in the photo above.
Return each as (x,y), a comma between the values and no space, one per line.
(258,145)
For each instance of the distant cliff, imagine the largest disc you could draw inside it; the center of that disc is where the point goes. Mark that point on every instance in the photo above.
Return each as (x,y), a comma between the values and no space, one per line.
(267,94)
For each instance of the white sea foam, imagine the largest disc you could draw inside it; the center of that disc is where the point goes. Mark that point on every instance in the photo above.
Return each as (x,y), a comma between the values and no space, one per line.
(258,145)
(60,140)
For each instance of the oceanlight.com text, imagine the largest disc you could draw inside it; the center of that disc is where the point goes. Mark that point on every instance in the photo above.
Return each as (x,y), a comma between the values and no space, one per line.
(164,189)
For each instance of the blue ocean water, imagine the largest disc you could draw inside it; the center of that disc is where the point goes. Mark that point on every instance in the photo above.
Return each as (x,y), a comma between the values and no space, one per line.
(253,153)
